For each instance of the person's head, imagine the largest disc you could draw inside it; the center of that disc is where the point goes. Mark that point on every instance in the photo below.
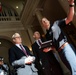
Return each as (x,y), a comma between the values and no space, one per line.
(17,38)
(36,35)
(1,60)
(45,23)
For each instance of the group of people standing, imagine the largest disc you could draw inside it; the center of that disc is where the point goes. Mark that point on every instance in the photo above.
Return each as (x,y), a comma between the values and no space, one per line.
(43,62)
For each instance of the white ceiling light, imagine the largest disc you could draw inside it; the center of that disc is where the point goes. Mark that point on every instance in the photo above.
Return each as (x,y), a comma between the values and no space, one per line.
(17,7)
(0,42)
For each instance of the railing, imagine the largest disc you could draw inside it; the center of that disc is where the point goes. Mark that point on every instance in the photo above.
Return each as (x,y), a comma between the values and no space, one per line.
(9,18)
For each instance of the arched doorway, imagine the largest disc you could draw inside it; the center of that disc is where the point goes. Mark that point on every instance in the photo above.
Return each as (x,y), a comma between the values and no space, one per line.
(5,44)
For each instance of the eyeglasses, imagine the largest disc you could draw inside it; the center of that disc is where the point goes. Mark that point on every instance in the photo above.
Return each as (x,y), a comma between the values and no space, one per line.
(17,37)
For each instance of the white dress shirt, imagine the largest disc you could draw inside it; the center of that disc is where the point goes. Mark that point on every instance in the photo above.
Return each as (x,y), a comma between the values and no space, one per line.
(18,45)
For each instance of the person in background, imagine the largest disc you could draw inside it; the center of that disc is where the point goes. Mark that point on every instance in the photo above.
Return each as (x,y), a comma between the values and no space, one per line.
(4,69)
(21,58)
(59,38)
(45,62)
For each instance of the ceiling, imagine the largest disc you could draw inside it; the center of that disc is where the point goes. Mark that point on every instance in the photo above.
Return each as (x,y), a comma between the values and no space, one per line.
(52,9)
(14,4)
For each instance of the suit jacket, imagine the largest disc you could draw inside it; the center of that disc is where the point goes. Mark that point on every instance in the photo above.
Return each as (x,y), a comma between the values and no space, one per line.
(39,54)
(41,59)
(49,62)
(16,53)
(17,57)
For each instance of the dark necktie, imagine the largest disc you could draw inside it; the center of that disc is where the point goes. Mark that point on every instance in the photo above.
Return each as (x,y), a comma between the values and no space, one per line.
(39,42)
(23,50)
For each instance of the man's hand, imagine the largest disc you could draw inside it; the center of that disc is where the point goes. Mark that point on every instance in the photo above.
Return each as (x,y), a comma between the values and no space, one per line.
(48,49)
(71,12)
(29,59)
(71,1)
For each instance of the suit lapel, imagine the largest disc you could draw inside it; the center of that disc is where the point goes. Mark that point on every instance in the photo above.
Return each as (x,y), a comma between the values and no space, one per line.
(19,49)
(36,44)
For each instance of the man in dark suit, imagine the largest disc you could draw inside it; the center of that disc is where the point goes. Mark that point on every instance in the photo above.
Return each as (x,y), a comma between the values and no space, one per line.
(20,57)
(47,61)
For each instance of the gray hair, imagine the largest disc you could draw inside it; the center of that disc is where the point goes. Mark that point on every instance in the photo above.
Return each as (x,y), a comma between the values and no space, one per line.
(15,35)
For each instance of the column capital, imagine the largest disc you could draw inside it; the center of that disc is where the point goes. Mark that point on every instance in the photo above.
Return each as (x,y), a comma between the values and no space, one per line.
(37,10)
(39,16)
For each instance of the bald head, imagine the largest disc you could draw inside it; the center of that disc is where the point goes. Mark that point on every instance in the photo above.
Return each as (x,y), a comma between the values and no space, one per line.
(36,35)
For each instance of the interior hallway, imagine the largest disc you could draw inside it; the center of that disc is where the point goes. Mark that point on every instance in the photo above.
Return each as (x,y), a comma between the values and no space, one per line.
(23,16)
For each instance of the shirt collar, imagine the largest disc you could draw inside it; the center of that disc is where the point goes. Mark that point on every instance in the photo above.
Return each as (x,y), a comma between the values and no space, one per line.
(18,45)
(37,40)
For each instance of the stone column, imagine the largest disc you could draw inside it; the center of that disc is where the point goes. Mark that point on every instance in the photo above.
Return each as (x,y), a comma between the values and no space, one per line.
(39,17)
(30,34)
